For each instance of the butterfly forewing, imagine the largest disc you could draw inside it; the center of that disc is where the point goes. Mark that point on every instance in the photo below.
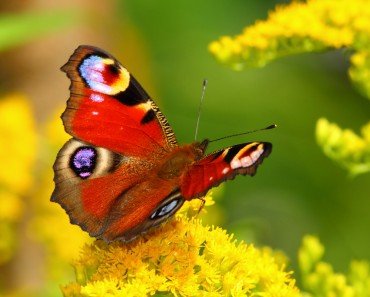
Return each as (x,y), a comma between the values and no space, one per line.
(223,165)
(109,108)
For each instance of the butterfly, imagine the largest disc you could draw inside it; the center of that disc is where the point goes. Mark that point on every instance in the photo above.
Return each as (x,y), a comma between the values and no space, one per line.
(123,172)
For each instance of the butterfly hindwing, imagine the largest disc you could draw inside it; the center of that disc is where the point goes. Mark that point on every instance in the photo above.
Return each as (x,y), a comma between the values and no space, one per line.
(108,195)
(222,165)
(108,107)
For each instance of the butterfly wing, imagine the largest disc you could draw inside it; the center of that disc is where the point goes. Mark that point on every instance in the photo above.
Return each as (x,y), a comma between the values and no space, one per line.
(222,165)
(108,107)
(109,195)
(102,175)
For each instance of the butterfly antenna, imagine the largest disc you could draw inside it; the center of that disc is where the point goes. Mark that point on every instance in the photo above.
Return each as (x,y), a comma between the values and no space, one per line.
(200,107)
(244,133)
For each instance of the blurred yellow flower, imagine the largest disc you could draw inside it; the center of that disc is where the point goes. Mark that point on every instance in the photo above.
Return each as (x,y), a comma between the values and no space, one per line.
(17,157)
(359,71)
(11,206)
(319,278)
(181,258)
(18,139)
(304,26)
(344,146)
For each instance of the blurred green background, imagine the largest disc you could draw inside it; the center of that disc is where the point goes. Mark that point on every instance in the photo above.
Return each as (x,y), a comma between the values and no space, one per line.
(164,43)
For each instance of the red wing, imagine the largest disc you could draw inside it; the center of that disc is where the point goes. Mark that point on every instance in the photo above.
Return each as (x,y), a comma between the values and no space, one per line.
(109,195)
(108,107)
(223,165)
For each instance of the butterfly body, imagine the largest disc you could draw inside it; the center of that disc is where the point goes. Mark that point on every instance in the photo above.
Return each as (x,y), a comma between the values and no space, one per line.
(123,171)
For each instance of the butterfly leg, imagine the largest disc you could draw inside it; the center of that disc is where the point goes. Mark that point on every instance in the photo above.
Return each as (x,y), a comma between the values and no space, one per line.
(203,201)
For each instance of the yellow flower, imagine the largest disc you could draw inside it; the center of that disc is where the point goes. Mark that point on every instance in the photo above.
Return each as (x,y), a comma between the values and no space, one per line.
(311,252)
(11,206)
(17,156)
(182,258)
(18,139)
(344,146)
(359,71)
(103,288)
(304,26)
(319,278)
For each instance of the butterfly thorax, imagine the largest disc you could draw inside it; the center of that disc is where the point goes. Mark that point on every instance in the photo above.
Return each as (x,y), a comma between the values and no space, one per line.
(180,159)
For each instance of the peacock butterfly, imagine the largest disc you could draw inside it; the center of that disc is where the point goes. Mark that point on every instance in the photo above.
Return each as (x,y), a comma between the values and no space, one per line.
(123,171)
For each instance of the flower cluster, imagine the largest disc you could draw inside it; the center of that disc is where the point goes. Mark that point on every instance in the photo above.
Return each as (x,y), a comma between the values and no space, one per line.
(344,146)
(319,278)
(181,258)
(301,27)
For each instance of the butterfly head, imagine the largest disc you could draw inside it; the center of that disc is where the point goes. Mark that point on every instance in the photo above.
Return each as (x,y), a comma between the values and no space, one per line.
(201,147)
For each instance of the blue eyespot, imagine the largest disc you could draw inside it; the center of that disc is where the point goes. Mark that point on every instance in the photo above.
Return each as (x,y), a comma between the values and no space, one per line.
(165,209)
(83,161)
(92,71)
